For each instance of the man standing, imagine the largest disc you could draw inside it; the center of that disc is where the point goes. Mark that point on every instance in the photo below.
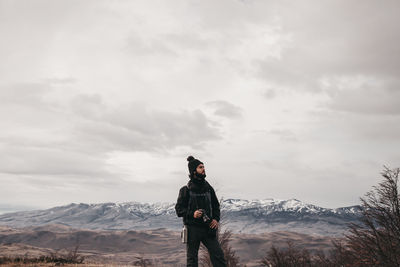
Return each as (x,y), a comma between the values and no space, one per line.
(198,205)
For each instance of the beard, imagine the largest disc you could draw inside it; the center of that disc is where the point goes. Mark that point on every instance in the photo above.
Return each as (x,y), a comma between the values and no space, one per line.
(200,176)
(197,183)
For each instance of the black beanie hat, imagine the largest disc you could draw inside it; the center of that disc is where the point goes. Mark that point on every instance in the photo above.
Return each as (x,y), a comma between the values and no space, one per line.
(193,163)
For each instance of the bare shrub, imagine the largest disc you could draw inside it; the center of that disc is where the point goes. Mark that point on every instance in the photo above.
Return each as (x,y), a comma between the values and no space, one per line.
(375,241)
(55,257)
(142,261)
(224,238)
(289,257)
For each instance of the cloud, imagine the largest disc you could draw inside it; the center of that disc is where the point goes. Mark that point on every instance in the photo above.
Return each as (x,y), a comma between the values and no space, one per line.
(374,131)
(76,139)
(60,80)
(27,94)
(334,38)
(148,47)
(137,127)
(270,93)
(107,91)
(363,95)
(42,160)
(226,109)
(284,134)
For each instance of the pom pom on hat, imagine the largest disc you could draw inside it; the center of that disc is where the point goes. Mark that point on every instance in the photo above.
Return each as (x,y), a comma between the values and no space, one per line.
(193,163)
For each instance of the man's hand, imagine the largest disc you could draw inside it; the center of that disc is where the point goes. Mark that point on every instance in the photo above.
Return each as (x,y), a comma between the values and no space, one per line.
(214,224)
(198,214)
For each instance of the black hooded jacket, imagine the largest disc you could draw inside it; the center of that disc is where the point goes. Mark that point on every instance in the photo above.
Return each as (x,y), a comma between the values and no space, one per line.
(198,202)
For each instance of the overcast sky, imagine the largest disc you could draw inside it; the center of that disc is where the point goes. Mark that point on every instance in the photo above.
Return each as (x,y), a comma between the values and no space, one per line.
(102,101)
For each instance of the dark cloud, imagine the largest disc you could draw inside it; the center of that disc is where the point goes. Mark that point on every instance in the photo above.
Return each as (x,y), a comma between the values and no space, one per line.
(76,139)
(367,98)
(136,127)
(226,109)
(334,38)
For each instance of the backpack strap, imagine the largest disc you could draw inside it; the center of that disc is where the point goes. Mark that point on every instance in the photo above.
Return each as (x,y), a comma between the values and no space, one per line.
(191,197)
(208,194)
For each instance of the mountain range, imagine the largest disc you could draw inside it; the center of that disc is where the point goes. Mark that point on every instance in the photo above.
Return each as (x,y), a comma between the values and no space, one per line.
(239,215)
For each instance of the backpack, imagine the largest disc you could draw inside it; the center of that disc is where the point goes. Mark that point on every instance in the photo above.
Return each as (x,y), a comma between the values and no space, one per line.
(193,197)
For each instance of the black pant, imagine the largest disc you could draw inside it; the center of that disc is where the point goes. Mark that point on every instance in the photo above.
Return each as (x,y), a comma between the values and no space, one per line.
(197,234)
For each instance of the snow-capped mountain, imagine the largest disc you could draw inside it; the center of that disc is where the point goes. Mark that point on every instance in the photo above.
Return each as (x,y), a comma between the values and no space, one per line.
(245,216)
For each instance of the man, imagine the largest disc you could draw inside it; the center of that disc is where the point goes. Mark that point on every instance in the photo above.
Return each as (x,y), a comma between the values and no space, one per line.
(198,205)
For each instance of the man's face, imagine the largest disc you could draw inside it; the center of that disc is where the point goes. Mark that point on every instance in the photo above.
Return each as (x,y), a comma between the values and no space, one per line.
(201,169)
